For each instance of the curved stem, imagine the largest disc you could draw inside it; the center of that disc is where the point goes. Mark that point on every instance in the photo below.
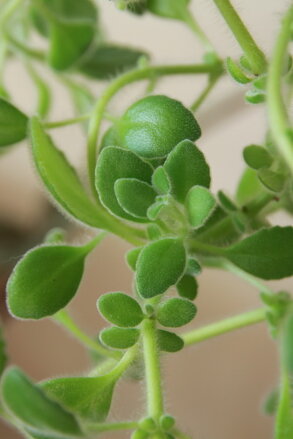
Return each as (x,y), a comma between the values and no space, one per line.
(224,326)
(116,85)
(276,107)
(206,91)
(254,55)
(65,122)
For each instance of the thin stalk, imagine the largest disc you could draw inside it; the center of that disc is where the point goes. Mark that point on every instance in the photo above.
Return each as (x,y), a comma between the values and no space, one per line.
(204,94)
(224,326)
(124,362)
(116,85)
(155,400)
(192,23)
(65,122)
(279,120)
(99,428)
(253,53)
(206,248)
(8,12)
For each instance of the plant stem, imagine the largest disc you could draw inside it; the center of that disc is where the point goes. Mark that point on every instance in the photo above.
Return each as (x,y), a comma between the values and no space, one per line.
(116,85)
(278,117)
(191,22)
(254,55)
(206,248)
(223,326)
(63,318)
(65,122)
(8,11)
(152,369)
(112,427)
(206,91)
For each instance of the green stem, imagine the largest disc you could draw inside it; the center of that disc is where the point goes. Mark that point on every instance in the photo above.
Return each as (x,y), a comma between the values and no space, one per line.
(224,326)
(284,416)
(206,91)
(116,85)
(124,362)
(195,246)
(254,55)
(278,117)
(63,318)
(152,369)
(65,122)
(8,11)
(99,428)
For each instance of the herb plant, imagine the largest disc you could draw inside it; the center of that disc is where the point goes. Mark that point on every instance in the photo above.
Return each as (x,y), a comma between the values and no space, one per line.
(149,184)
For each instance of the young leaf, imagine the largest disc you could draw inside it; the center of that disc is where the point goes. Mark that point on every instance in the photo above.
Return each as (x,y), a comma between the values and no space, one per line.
(168,341)
(132,256)
(159,266)
(107,61)
(134,196)
(154,232)
(166,422)
(154,210)
(33,409)
(274,181)
(119,338)
(176,9)
(120,309)
(160,180)
(175,312)
(257,157)
(186,167)
(115,163)
(227,204)
(187,287)
(236,72)
(45,280)
(255,96)
(200,204)
(248,187)
(192,267)
(267,254)
(13,124)
(148,424)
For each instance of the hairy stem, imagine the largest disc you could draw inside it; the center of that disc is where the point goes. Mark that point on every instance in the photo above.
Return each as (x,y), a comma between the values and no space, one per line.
(279,120)
(65,122)
(112,426)
(206,91)
(253,53)
(223,326)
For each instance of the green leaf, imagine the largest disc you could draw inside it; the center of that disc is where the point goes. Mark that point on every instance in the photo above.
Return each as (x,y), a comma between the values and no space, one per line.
(255,96)
(132,256)
(287,342)
(271,402)
(236,72)
(110,138)
(120,309)
(186,167)
(119,338)
(88,397)
(107,61)
(167,422)
(134,196)
(257,157)
(249,186)
(169,342)
(175,312)
(152,126)
(284,417)
(154,232)
(3,355)
(148,424)
(115,163)
(267,254)
(187,287)
(200,204)
(227,204)
(274,181)
(175,9)
(62,181)
(160,265)
(193,267)
(13,124)
(45,280)
(160,181)
(155,209)
(33,409)
(55,236)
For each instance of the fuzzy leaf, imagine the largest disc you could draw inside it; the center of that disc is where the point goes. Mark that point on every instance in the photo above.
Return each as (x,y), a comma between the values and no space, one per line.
(186,167)
(132,256)
(160,180)
(119,338)
(176,9)
(154,232)
(236,72)
(274,181)
(13,124)
(192,267)
(187,287)
(115,163)
(175,312)
(257,157)
(267,254)
(248,187)
(3,355)
(200,204)
(120,309)
(169,342)
(134,196)
(45,280)
(33,409)
(255,96)
(160,265)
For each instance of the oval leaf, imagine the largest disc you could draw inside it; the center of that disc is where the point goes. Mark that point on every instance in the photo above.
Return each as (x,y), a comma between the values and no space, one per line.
(160,265)
(134,196)
(236,72)
(257,157)
(200,204)
(175,312)
(119,338)
(120,309)
(160,180)
(168,341)
(13,124)
(187,287)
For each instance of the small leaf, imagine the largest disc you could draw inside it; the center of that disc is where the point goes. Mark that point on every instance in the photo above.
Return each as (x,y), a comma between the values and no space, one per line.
(236,72)
(115,163)
(120,309)
(187,287)
(154,232)
(45,280)
(55,236)
(155,209)
(261,82)
(134,196)
(227,204)
(248,187)
(33,409)
(3,355)
(13,124)
(119,338)
(200,204)
(148,424)
(107,61)
(193,267)
(255,96)
(139,434)
(132,256)
(257,157)
(160,265)
(273,181)
(175,312)
(271,402)
(176,9)
(166,422)
(267,254)
(169,342)
(160,181)
(186,167)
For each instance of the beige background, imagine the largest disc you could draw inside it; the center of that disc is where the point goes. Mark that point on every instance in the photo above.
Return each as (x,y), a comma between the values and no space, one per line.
(215,389)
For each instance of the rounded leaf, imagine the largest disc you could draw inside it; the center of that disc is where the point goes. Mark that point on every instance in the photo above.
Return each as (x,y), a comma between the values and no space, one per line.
(236,72)
(176,9)
(166,422)
(148,424)
(274,181)
(176,312)
(119,338)
(257,157)
(200,204)
(134,196)
(187,287)
(168,341)
(132,256)
(13,124)
(160,180)
(120,309)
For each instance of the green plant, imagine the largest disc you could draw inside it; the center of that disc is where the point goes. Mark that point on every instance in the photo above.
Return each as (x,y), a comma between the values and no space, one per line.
(150,185)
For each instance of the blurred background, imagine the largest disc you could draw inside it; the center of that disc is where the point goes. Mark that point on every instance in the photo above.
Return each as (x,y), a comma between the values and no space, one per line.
(215,389)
